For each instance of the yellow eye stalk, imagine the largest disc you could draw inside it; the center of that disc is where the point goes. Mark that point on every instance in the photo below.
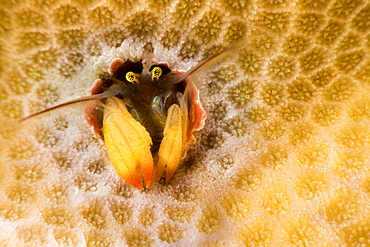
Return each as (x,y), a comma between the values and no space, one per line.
(156,73)
(149,117)
(131,77)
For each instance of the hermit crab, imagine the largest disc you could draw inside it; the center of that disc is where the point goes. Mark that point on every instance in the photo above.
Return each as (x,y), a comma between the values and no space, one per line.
(145,115)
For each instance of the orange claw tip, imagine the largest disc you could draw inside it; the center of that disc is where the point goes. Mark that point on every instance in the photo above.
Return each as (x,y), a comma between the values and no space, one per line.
(140,176)
(146,171)
(133,179)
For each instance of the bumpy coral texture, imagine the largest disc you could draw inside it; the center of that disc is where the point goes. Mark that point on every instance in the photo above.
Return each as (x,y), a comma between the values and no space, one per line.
(282,161)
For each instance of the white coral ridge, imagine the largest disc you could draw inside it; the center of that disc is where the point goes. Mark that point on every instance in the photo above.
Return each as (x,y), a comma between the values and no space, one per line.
(282,161)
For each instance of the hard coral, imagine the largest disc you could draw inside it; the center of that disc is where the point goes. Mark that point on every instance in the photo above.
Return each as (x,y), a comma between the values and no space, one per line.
(284,156)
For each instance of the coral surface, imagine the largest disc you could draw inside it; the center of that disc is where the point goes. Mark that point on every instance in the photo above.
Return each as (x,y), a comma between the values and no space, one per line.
(282,161)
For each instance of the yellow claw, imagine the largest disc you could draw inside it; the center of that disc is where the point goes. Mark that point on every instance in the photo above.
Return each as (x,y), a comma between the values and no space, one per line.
(128,145)
(170,150)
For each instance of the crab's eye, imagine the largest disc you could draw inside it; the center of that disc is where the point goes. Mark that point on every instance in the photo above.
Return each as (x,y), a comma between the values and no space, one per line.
(156,72)
(130,76)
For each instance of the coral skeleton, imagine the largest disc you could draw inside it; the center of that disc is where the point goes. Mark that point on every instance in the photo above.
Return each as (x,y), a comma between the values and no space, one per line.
(283,159)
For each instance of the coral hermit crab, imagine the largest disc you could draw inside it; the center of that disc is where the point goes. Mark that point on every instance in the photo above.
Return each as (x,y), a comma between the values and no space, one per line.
(145,115)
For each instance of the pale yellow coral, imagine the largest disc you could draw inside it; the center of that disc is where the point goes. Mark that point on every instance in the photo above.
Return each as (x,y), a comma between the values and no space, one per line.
(282,161)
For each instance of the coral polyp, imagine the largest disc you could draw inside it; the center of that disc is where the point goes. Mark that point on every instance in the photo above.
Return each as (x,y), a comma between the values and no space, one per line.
(283,159)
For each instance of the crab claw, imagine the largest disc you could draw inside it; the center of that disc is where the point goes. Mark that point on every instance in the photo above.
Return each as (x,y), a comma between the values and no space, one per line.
(169,155)
(128,145)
